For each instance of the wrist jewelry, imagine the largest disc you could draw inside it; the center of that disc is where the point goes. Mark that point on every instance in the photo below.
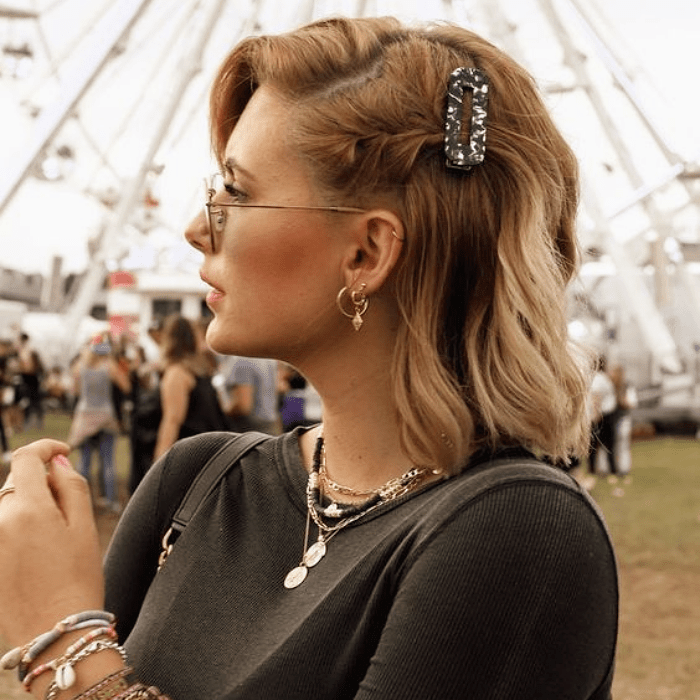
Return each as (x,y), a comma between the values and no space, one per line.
(139,691)
(63,666)
(108,688)
(22,657)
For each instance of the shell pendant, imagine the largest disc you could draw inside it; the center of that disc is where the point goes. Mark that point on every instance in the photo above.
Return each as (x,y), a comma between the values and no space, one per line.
(65,676)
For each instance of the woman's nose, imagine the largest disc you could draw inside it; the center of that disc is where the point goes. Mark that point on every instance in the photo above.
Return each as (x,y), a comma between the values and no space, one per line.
(197,233)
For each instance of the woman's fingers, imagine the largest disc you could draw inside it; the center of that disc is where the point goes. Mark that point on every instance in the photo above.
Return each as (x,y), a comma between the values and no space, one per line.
(28,471)
(71,493)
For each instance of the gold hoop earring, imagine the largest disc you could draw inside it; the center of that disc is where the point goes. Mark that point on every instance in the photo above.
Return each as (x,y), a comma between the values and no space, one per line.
(360,304)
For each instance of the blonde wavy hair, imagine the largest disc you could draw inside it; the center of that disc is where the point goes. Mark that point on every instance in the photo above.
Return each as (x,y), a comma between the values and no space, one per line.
(483,358)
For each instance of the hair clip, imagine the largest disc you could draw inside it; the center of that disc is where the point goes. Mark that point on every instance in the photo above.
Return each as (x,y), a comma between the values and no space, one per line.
(459,154)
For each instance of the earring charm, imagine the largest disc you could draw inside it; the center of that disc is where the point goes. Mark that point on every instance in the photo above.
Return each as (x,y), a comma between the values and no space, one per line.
(360,303)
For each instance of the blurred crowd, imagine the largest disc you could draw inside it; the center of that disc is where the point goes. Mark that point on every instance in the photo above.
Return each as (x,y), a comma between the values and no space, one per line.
(171,385)
(24,387)
(166,387)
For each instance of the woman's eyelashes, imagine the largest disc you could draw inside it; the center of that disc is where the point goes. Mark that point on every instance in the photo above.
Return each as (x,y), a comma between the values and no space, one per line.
(233,192)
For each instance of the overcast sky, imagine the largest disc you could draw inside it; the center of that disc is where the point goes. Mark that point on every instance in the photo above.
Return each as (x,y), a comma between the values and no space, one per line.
(662,34)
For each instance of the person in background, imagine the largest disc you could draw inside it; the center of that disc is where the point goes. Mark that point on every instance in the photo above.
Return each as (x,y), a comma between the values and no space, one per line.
(396,219)
(146,415)
(189,403)
(625,402)
(14,411)
(31,371)
(120,353)
(57,386)
(300,404)
(152,340)
(6,399)
(251,394)
(95,426)
(603,404)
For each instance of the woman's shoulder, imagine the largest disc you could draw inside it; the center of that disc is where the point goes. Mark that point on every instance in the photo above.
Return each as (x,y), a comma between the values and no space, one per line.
(513,497)
(482,477)
(191,453)
(188,456)
(517,555)
(167,482)
(178,372)
(527,518)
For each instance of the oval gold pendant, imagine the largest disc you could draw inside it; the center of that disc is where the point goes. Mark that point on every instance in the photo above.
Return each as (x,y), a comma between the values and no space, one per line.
(315,553)
(296,576)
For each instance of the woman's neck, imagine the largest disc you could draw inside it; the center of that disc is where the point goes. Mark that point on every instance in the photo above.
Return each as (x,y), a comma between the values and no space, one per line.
(352,373)
(360,430)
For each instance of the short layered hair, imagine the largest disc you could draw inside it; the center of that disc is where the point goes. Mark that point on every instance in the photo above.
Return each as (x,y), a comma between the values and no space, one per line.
(483,357)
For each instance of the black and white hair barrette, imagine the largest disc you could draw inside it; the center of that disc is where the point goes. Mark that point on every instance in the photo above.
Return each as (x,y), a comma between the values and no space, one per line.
(462,154)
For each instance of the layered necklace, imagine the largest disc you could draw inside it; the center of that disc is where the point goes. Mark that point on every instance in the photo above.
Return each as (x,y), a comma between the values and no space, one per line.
(332,518)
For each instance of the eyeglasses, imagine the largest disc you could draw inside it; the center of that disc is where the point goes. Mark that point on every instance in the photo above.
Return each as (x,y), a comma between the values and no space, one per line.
(216,213)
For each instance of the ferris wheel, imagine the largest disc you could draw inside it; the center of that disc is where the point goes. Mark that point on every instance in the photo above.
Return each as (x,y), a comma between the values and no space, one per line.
(105,104)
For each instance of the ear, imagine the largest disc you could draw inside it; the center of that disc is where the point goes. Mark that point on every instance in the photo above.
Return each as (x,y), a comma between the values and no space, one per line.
(376,248)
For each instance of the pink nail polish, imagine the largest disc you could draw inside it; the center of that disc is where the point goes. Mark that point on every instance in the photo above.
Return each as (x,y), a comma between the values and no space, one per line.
(62,461)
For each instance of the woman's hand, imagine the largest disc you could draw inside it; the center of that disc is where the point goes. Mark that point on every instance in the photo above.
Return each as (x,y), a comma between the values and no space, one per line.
(50,561)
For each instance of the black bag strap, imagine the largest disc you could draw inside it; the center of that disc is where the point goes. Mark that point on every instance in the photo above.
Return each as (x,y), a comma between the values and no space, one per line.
(212,473)
(205,482)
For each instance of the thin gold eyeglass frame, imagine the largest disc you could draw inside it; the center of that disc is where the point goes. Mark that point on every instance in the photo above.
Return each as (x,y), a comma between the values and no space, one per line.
(216,208)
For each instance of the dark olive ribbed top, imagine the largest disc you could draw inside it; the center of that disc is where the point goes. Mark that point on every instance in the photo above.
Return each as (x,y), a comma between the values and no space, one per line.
(499,583)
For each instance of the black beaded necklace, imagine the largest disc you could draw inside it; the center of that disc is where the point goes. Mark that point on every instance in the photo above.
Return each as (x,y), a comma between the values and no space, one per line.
(342,514)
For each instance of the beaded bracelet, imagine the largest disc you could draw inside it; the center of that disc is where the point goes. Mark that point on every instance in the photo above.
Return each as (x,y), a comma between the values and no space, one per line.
(65,675)
(62,664)
(31,654)
(139,691)
(23,656)
(107,689)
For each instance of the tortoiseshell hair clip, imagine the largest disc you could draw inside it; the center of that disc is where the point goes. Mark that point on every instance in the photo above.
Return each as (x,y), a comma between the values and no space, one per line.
(462,155)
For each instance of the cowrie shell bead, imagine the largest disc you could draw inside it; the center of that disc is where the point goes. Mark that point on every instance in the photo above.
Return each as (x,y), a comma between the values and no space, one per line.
(11,659)
(65,676)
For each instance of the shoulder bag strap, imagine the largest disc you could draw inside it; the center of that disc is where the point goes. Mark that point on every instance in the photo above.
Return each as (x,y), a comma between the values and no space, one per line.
(205,482)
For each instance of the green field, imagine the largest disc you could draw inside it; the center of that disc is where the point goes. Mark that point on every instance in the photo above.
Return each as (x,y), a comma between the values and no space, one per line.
(655,524)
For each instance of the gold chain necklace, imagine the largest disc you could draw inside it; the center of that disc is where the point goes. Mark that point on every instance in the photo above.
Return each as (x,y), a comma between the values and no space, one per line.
(391,489)
(342,514)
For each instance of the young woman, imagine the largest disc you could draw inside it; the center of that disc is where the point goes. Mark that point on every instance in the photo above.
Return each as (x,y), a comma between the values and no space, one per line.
(95,426)
(189,403)
(395,218)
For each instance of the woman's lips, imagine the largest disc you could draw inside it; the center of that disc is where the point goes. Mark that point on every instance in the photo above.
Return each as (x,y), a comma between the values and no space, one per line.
(215,294)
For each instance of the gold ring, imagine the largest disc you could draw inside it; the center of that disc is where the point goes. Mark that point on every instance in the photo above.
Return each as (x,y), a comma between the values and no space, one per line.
(6,490)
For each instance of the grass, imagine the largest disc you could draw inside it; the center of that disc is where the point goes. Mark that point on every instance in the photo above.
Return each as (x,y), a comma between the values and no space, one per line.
(655,525)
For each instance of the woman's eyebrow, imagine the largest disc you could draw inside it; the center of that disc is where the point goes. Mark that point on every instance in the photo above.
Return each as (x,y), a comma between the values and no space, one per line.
(232,166)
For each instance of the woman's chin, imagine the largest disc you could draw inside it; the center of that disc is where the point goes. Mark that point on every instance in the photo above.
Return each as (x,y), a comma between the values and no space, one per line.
(215,337)
(220,339)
